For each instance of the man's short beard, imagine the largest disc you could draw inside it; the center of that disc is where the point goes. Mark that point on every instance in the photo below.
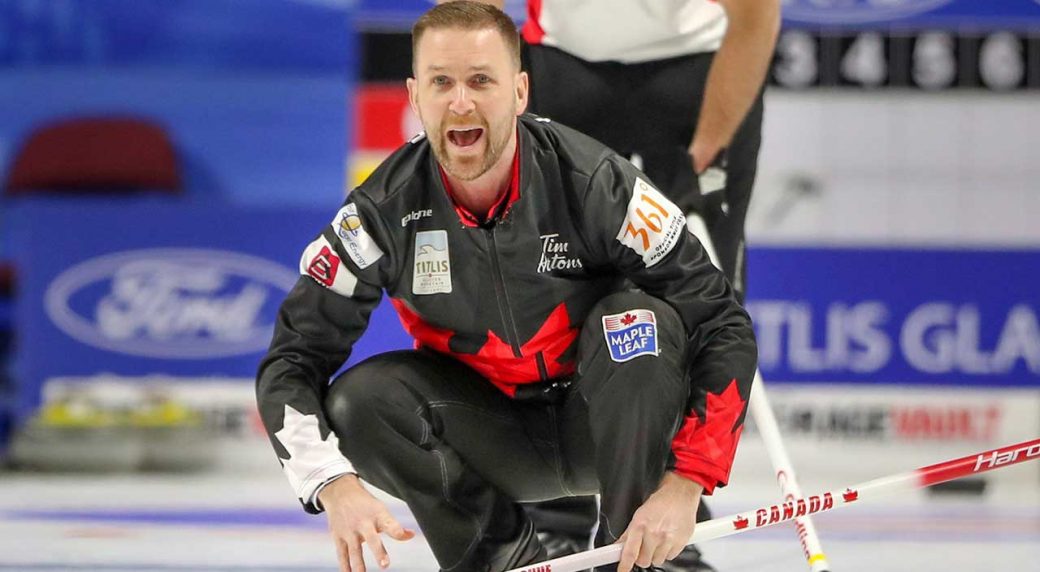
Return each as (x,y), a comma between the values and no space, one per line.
(491,154)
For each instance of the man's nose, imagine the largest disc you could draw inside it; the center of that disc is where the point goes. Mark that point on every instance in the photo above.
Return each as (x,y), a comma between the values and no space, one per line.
(461,102)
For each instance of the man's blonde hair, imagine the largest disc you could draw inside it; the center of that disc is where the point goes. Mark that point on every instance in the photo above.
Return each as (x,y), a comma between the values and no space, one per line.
(466,15)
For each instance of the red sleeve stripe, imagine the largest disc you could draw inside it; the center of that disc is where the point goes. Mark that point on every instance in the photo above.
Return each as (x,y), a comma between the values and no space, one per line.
(532,30)
(704,450)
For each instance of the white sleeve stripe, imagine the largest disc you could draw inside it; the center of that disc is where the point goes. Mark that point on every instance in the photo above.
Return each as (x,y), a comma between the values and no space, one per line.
(312,460)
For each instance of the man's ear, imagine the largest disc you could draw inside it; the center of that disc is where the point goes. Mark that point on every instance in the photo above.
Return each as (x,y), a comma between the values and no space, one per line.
(413,94)
(522,92)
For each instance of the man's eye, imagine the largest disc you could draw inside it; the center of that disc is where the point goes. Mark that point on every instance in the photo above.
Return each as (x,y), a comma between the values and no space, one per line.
(481,79)
(440,80)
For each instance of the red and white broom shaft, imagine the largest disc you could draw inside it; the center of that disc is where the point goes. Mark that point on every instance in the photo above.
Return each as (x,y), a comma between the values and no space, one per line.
(791,509)
(765,421)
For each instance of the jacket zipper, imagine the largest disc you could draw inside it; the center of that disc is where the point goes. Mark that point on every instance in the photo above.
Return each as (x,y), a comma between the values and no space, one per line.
(500,295)
(543,371)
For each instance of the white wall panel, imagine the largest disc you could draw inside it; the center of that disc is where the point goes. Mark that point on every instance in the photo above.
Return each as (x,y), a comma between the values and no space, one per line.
(898,168)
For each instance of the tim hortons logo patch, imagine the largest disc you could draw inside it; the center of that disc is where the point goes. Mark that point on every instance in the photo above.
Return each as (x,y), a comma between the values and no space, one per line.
(555,255)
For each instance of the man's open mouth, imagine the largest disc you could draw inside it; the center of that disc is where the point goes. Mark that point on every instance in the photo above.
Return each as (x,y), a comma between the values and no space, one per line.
(465,137)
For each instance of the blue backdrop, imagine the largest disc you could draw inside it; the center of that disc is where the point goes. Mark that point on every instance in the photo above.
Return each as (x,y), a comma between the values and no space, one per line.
(254,94)
(241,35)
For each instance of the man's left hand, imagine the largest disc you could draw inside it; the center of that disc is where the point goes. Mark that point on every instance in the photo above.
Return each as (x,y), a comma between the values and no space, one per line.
(663,524)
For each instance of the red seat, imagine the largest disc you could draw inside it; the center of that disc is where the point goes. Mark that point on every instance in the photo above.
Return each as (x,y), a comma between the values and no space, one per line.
(94,155)
(91,156)
(6,279)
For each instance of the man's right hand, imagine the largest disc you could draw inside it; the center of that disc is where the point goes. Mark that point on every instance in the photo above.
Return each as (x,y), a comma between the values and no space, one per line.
(357,517)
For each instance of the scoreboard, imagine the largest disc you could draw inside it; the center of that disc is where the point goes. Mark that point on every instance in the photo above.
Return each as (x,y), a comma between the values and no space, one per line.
(929,59)
(914,44)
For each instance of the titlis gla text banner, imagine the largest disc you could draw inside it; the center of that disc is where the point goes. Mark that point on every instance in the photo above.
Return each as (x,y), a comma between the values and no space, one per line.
(965,317)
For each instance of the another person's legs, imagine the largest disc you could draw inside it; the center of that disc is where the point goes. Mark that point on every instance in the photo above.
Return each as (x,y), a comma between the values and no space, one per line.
(435,434)
(726,225)
(582,95)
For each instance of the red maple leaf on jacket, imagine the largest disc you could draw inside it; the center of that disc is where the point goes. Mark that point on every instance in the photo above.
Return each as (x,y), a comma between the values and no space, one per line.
(627,319)
(496,360)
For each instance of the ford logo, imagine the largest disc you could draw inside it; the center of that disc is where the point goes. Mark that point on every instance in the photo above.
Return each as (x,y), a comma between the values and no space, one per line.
(855,11)
(170,303)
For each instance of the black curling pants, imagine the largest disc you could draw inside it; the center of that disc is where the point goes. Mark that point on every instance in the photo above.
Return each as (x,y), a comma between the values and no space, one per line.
(462,454)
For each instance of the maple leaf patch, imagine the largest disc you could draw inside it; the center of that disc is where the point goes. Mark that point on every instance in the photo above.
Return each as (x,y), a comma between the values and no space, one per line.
(631,334)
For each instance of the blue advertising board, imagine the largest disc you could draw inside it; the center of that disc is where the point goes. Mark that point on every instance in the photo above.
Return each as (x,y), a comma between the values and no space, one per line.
(155,287)
(962,317)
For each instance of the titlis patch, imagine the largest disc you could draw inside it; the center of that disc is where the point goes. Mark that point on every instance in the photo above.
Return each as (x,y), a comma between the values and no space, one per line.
(431,272)
(631,334)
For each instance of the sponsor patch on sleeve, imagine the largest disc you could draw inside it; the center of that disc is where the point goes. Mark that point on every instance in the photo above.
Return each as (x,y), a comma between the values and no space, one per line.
(320,262)
(358,243)
(652,225)
(631,334)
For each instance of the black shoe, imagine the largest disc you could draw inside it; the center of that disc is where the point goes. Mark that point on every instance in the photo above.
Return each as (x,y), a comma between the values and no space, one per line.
(559,545)
(517,553)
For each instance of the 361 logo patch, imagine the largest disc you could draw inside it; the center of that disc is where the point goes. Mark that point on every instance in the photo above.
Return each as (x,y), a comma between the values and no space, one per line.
(652,225)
